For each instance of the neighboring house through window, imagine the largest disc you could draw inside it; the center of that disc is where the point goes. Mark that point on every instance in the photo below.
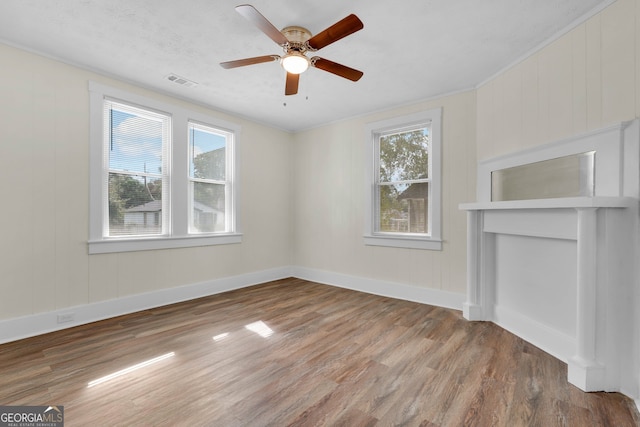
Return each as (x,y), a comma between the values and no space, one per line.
(208,198)
(403,181)
(161,176)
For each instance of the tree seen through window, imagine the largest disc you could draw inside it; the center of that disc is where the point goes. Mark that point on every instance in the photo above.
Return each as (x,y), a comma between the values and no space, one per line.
(403,181)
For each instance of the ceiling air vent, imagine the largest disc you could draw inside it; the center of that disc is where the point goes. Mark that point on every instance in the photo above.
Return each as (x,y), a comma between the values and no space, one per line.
(181,80)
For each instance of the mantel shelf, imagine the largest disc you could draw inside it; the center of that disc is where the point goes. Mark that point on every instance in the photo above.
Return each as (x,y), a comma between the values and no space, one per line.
(558,203)
(560,272)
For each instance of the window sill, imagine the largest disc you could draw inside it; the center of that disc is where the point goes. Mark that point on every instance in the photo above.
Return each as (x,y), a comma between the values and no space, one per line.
(401,241)
(152,243)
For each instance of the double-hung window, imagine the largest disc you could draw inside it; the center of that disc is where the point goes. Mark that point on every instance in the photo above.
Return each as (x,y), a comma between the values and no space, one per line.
(209,190)
(403,181)
(135,150)
(161,176)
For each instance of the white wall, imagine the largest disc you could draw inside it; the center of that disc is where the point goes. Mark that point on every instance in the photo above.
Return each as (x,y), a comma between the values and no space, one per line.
(329,203)
(301,200)
(44,121)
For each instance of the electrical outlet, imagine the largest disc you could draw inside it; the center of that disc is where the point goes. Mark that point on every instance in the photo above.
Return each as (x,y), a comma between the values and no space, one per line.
(66,317)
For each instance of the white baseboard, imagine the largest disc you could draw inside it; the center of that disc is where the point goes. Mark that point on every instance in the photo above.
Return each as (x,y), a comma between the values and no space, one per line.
(42,323)
(554,342)
(383,288)
(548,339)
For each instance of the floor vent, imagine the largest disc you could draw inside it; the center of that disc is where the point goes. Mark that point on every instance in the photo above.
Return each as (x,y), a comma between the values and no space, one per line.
(181,80)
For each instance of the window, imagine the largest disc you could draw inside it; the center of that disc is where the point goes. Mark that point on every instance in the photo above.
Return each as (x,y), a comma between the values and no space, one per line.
(208,185)
(160,176)
(403,181)
(135,146)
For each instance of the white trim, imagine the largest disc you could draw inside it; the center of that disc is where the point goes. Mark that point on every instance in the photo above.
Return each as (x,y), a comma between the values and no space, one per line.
(552,341)
(152,243)
(607,142)
(399,241)
(557,203)
(605,230)
(384,288)
(239,114)
(42,323)
(434,240)
(179,235)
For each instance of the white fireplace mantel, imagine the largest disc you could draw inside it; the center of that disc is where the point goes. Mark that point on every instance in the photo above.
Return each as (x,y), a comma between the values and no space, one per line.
(559,203)
(561,273)
(588,222)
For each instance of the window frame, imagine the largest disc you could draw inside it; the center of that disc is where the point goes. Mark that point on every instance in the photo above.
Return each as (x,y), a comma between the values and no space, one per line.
(373,130)
(149,114)
(177,233)
(229,160)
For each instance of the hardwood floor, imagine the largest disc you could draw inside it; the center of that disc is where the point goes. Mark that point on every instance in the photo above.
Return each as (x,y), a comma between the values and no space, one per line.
(315,355)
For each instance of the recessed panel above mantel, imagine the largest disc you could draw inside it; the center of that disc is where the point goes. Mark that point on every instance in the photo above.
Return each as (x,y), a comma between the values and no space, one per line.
(567,176)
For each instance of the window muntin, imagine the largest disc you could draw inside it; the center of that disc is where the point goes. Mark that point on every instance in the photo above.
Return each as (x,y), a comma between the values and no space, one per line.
(403,170)
(136,142)
(160,216)
(403,194)
(208,184)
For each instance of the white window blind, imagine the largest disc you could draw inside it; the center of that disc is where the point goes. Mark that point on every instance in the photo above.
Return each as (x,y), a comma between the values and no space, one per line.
(136,144)
(161,176)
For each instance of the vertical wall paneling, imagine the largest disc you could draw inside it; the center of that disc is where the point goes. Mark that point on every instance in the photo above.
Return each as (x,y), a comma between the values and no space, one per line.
(594,73)
(532,127)
(555,75)
(618,62)
(44,129)
(579,78)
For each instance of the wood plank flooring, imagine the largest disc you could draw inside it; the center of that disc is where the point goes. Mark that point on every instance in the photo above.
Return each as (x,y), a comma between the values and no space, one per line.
(315,355)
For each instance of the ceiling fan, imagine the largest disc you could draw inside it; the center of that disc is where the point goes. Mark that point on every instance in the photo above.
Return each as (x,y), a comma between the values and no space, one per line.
(296,42)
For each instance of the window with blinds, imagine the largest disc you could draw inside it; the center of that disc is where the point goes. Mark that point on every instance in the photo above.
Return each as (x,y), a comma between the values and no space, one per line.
(161,176)
(136,141)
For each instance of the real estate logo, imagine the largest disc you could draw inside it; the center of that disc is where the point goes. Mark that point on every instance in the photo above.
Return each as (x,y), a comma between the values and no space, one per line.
(31,416)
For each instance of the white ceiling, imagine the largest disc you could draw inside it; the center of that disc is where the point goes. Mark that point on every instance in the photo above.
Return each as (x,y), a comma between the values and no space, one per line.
(409,50)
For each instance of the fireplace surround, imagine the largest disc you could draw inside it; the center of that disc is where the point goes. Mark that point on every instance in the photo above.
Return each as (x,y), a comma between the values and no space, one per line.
(560,271)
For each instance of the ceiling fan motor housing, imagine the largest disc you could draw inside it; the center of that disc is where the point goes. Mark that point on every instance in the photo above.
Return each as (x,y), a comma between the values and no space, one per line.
(295,61)
(296,35)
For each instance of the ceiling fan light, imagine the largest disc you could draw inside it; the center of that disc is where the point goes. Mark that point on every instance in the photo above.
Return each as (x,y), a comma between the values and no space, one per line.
(295,63)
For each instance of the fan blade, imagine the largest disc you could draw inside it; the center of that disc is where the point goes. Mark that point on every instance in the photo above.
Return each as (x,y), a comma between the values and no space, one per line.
(252,15)
(291,87)
(340,29)
(337,69)
(249,61)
